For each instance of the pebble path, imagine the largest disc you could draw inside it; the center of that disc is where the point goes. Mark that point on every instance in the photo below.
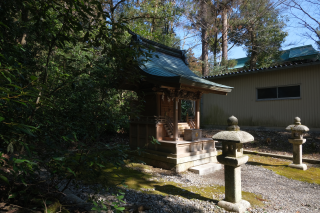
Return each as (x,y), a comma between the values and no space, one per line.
(282,195)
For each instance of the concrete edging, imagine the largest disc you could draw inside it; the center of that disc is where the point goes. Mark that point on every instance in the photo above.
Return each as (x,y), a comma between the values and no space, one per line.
(276,156)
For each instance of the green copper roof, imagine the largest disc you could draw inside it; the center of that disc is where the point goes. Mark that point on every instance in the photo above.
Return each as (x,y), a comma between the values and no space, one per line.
(307,50)
(293,54)
(240,62)
(297,53)
(170,64)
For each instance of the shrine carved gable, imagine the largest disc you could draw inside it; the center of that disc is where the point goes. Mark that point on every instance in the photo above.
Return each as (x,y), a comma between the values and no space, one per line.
(182,94)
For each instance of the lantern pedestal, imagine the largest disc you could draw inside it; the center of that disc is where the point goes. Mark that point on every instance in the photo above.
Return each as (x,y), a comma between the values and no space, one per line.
(297,154)
(232,176)
(241,206)
(232,158)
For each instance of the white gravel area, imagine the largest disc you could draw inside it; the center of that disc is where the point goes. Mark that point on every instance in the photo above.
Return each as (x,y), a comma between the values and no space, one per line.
(281,194)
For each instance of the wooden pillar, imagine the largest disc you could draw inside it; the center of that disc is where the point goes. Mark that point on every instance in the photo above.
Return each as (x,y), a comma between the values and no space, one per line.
(175,119)
(197,114)
(179,110)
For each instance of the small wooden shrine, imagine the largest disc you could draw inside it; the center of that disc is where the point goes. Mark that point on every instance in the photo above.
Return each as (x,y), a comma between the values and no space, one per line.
(168,80)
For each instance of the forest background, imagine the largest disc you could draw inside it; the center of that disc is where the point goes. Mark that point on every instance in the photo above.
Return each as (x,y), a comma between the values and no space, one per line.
(62,61)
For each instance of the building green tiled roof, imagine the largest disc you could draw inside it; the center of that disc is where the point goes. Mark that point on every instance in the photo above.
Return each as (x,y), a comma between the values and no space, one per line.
(240,62)
(293,54)
(303,51)
(169,64)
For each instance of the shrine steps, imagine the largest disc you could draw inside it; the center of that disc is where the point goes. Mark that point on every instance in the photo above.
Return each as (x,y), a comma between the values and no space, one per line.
(169,132)
(181,127)
(205,169)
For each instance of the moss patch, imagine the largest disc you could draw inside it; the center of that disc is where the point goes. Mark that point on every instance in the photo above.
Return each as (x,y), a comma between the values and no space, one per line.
(280,166)
(56,207)
(136,178)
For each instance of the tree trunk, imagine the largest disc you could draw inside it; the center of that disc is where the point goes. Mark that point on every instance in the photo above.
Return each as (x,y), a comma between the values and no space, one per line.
(225,36)
(254,51)
(204,37)
(153,23)
(215,44)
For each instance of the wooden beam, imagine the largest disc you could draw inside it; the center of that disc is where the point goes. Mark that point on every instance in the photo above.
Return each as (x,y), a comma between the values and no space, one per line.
(203,90)
(167,87)
(197,114)
(175,119)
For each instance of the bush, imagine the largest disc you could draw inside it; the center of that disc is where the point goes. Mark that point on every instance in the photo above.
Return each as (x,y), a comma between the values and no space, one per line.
(61,64)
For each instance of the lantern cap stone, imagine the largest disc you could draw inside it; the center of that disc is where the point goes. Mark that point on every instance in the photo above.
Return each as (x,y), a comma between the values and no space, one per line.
(233,134)
(233,124)
(297,121)
(297,126)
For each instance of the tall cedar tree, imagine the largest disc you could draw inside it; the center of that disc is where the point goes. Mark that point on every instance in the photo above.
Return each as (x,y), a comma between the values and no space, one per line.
(259,27)
(160,18)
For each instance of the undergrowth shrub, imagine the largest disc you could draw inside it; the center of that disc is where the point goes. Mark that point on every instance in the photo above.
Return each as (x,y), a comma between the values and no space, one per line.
(62,64)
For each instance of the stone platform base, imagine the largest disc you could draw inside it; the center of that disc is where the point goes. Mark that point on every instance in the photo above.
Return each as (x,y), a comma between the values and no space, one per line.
(205,169)
(177,164)
(241,206)
(299,166)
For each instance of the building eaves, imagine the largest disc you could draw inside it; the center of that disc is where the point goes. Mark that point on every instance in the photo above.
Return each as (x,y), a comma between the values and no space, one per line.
(160,47)
(169,64)
(271,68)
(165,67)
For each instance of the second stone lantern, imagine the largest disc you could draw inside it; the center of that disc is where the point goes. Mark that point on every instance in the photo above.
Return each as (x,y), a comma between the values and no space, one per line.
(232,157)
(297,131)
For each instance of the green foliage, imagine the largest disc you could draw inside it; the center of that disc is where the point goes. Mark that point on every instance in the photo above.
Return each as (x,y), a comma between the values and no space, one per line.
(259,27)
(61,63)
(186,108)
(154,140)
(222,67)
(157,20)
(194,65)
(99,205)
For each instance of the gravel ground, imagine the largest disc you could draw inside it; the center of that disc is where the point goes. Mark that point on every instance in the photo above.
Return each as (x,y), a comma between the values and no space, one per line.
(281,194)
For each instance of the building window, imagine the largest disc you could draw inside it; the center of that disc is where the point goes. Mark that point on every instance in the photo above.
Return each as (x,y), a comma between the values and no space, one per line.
(283,92)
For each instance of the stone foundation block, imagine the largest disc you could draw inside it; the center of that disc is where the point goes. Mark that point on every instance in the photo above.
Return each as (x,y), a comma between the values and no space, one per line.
(231,161)
(205,169)
(298,166)
(240,206)
(192,134)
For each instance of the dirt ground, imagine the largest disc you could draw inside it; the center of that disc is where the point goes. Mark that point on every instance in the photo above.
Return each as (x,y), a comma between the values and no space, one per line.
(276,142)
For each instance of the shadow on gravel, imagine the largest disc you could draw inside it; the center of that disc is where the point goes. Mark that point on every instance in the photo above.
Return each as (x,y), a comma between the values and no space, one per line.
(263,164)
(151,203)
(173,190)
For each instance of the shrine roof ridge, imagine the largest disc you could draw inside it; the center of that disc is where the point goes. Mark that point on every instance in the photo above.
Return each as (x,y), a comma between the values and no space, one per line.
(287,65)
(170,65)
(160,47)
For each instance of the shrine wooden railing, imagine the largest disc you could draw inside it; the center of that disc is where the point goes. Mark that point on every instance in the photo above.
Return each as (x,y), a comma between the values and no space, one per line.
(169,124)
(191,122)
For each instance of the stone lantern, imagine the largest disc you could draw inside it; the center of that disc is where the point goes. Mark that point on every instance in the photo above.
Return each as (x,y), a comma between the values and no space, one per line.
(297,131)
(232,157)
